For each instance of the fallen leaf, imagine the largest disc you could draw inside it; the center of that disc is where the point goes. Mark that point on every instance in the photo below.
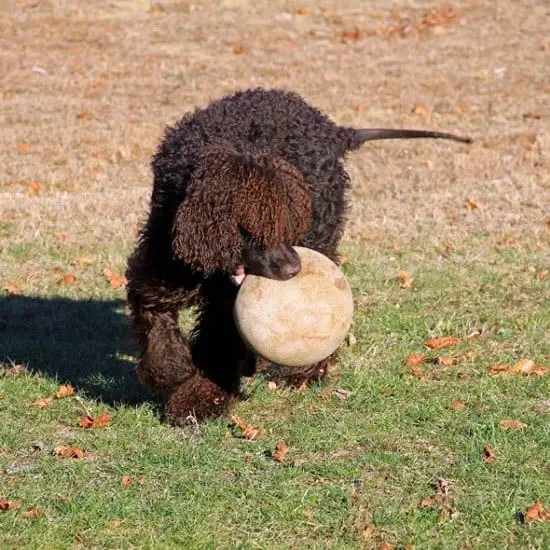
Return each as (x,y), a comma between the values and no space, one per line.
(13,371)
(65,390)
(474,205)
(42,402)
(426,503)
(524,367)
(247,431)
(33,189)
(535,512)
(416,359)
(116,281)
(342,394)
(385,546)
(420,110)
(79,537)
(440,343)
(281,449)
(488,454)
(448,361)
(84,115)
(22,147)
(457,405)
(99,422)
(32,512)
(68,452)
(543,275)
(512,424)
(405,279)
(238,49)
(6,505)
(418,372)
(302,11)
(353,33)
(12,289)
(126,481)
(68,279)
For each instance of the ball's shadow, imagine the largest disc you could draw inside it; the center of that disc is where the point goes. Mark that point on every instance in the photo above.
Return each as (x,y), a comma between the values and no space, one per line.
(86,343)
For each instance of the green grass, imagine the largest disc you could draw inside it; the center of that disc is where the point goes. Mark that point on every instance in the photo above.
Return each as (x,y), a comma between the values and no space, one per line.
(364,461)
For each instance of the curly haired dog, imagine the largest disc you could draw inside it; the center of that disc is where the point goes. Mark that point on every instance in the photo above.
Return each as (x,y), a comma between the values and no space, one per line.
(236,185)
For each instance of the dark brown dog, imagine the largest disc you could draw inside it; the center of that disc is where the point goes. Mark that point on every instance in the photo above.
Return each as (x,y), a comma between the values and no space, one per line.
(236,185)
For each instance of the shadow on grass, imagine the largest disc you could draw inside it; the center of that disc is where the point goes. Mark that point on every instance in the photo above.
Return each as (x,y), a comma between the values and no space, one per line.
(85,343)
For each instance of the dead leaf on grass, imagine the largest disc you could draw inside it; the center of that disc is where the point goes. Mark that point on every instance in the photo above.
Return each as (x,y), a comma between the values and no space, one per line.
(33,189)
(44,402)
(32,512)
(115,280)
(525,367)
(67,279)
(543,275)
(474,205)
(488,454)
(22,147)
(442,342)
(420,110)
(342,394)
(100,422)
(405,279)
(238,49)
(418,372)
(7,505)
(281,449)
(457,405)
(12,289)
(536,512)
(508,424)
(416,359)
(68,452)
(247,431)
(65,390)
(126,481)
(13,371)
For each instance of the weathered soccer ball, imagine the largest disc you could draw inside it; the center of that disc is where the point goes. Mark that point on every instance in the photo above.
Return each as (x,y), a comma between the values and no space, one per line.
(300,321)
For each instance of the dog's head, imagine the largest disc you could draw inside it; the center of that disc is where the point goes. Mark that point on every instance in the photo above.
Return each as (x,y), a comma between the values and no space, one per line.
(242,215)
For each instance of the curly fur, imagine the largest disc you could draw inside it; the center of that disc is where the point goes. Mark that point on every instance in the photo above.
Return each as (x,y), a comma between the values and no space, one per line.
(245,177)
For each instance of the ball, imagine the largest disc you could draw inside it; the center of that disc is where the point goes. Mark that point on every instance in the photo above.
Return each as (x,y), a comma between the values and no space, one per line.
(300,321)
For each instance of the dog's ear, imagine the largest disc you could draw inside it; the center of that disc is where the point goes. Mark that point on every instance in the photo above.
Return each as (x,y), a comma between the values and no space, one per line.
(275,206)
(205,231)
(265,196)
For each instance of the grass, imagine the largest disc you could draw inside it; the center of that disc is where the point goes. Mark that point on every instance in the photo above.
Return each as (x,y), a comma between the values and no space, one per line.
(87,88)
(366,461)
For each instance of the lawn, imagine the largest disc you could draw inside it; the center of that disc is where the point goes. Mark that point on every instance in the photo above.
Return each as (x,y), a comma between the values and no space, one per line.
(403,446)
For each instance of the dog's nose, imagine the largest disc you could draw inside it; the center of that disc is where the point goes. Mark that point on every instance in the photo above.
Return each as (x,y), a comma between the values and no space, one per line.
(291,269)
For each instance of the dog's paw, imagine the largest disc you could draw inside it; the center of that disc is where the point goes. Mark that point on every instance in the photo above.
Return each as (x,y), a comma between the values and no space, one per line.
(196,399)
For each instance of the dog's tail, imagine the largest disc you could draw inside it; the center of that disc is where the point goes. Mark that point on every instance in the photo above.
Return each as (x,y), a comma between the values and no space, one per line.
(356,137)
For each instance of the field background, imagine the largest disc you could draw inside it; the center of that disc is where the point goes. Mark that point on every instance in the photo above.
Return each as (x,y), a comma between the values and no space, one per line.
(377,456)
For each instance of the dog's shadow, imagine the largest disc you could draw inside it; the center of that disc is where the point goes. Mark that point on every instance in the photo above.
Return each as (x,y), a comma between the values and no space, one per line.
(86,343)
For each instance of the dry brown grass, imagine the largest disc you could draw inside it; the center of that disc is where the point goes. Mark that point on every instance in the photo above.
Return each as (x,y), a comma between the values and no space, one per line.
(88,86)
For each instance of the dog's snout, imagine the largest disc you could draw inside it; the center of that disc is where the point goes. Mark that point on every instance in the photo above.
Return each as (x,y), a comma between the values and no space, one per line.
(291,269)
